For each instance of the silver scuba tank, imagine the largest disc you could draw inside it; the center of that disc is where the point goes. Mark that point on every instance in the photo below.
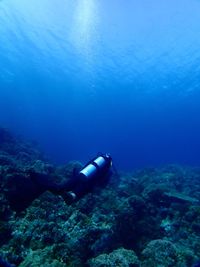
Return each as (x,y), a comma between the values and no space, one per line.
(93,167)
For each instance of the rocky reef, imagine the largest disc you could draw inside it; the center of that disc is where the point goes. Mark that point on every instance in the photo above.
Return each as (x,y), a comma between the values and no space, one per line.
(149,217)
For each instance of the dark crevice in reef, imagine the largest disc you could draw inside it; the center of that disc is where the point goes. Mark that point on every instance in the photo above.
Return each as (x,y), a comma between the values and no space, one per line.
(148,218)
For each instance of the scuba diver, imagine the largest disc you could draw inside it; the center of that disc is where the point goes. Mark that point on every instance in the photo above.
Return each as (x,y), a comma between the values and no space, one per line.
(96,173)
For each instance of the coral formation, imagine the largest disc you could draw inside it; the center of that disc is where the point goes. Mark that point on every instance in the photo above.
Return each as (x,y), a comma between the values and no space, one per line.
(160,253)
(120,257)
(150,217)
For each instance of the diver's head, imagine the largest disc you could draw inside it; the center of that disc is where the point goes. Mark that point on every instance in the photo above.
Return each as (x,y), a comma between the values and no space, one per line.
(108,158)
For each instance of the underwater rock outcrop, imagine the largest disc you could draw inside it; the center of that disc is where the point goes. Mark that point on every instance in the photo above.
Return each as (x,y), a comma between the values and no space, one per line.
(150,217)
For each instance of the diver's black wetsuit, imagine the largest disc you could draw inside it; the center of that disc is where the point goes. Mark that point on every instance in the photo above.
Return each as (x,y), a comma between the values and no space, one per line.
(71,190)
(80,184)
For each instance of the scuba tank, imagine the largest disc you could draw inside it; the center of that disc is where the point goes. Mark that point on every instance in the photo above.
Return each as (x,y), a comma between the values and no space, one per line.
(99,165)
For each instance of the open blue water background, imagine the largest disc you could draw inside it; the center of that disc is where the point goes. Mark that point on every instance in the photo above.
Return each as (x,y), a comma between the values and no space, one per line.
(84,76)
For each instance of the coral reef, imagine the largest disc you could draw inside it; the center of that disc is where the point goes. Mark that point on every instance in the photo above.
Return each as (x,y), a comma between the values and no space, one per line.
(160,253)
(120,257)
(150,217)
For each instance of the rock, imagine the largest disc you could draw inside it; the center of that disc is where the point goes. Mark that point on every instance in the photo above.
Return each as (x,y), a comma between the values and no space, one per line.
(179,198)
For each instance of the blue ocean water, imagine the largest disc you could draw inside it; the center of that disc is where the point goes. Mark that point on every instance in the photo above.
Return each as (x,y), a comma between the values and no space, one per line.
(85,76)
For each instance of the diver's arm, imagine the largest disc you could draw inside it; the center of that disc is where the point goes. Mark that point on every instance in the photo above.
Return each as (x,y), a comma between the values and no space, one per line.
(59,188)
